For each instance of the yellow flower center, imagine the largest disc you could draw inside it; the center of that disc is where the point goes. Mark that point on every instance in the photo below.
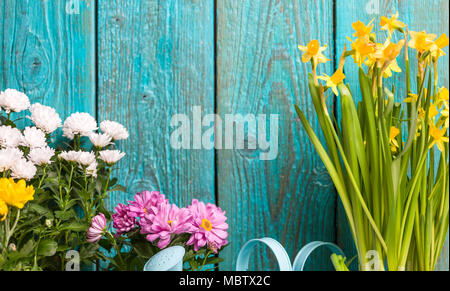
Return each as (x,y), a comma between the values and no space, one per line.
(170,222)
(145,210)
(313,47)
(206,224)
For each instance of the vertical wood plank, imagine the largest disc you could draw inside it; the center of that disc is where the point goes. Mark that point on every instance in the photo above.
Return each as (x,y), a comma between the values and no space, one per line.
(259,71)
(419,15)
(156,59)
(48,52)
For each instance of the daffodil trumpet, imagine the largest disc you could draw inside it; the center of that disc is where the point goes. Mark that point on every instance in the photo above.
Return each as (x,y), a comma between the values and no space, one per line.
(388,154)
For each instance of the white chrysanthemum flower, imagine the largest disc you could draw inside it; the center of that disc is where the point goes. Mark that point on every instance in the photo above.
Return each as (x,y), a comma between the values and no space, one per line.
(8,157)
(111,156)
(70,156)
(92,169)
(79,123)
(33,137)
(41,156)
(114,129)
(100,140)
(23,169)
(10,137)
(86,158)
(45,118)
(12,100)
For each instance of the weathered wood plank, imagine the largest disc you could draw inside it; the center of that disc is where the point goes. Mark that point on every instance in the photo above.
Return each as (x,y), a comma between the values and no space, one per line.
(156,59)
(259,71)
(431,16)
(48,52)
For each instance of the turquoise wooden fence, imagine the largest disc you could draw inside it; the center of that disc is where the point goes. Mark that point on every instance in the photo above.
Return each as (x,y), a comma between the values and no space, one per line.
(141,62)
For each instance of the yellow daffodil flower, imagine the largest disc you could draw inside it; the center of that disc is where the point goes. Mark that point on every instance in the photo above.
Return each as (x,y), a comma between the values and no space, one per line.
(440,43)
(438,137)
(15,194)
(313,51)
(362,31)
(421,41)
(333,81)
(392,67)
(3,210)
(444,115)
(393,133)
(362,50)
(432,112)
(391,24)
(443,95)
(411,97)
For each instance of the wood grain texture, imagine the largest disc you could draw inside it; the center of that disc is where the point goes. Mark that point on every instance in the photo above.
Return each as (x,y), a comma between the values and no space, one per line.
(419,15)
(259,71)
(156,59)
(48,53)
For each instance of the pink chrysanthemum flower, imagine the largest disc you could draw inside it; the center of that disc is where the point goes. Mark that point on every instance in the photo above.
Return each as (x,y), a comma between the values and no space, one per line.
(97,229)
(143,202)
(209,226)
(166,220)
(123,220)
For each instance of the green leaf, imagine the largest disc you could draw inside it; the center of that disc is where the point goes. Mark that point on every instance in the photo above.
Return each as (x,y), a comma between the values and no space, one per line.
(47,247)
(41,210)
(27,248)
(65,215)
(75,226)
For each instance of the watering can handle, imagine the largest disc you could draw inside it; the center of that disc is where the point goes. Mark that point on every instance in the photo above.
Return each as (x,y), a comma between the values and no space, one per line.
(305,252)
(280,253)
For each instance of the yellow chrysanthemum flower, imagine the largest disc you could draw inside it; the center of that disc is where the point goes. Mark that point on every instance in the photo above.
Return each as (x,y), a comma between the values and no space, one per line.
(438,137)
(362,31)
(421,41)
(3,210)
(391,24)
(440,43)
(313,50)
(393,133)
(362,50)
(15,194)
(334,80)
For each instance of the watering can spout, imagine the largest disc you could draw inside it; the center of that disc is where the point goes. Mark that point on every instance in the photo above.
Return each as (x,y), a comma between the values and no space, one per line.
(170,259)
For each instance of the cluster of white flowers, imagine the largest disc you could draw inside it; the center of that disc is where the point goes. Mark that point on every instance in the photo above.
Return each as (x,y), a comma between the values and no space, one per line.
(33,139)
(14,101)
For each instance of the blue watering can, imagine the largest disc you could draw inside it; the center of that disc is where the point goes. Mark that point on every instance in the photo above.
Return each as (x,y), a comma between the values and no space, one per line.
(171,259)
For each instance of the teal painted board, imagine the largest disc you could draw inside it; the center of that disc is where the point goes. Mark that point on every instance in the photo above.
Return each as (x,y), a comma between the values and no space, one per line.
(419,15)
(155,60)
(259,71)
(48,52)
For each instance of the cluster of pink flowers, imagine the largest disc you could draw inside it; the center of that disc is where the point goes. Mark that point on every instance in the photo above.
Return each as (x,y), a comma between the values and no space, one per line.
(160,221)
